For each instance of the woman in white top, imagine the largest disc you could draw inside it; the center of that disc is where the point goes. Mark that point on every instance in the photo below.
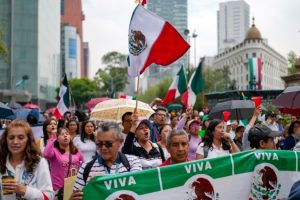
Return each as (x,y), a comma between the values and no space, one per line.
(165,129)
(21,160)
(86,141)
(216,142)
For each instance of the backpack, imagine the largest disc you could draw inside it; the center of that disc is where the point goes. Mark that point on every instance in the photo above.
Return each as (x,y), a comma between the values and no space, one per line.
(90,164)
(160,150)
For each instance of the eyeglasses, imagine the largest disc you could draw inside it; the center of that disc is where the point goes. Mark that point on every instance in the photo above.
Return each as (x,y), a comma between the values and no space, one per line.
(107,144)
(161,114)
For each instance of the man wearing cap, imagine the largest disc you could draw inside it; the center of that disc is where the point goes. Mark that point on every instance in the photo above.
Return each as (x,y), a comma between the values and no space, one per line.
(138,143)
(262,137)
(177,146)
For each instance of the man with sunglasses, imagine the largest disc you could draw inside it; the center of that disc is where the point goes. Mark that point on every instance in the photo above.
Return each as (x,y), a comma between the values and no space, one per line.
(108,160)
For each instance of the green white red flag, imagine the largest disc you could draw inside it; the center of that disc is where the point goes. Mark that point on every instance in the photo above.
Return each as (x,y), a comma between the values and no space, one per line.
(255,71)
(152,40)
(64,99)
(127,97)
(177,88)
(195,86)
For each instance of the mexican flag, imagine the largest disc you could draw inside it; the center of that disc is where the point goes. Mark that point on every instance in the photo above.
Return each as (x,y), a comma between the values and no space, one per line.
(177,88)
(195,86)
(152,40)
(255,70)
(127,97)
(64,99)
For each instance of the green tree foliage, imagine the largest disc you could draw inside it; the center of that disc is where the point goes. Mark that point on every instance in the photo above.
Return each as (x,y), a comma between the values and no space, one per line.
(82,90)
(292,57)
(158,90)
(3,49)
(113,77)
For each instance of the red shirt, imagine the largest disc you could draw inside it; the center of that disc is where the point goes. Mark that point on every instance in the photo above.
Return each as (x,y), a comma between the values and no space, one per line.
(167,163)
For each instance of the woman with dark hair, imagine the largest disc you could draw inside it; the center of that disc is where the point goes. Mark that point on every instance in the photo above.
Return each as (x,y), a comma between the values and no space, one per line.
(63,156)
(62,123)
(216,142)
(49,128)
(293,136)
(73,126)
(86,141)
(20,159)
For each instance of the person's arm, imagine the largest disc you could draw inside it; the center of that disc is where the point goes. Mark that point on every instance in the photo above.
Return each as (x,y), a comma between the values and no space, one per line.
(234,147)
(128,144)
(200,152)
(246,143)
(43,183)
(49,149)
(185,116)
(155,101)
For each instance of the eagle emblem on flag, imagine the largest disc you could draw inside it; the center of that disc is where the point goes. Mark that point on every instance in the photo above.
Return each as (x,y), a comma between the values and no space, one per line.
(137,42)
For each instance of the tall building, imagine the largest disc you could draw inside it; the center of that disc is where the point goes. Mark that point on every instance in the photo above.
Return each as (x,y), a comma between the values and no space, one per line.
(72,38)
(233,23)
(174,11)
(273,65)
(32,36)
(86,59)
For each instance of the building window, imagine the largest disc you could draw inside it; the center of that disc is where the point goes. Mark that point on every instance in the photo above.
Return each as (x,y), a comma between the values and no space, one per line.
(253,54)
(246,55)
(62,7)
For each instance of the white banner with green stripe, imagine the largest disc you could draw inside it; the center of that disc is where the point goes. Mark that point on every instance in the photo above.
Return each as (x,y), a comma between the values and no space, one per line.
(246,175)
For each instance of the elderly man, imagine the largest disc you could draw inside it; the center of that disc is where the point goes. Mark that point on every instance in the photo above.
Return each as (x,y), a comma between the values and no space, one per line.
(177,146)
(108,160)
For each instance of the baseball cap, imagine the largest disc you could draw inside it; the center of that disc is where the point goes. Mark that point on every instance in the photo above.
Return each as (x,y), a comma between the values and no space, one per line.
(261,131)
(205,118)
(143,121)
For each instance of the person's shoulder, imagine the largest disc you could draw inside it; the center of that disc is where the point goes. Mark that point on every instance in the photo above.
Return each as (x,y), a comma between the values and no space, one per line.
(131,157)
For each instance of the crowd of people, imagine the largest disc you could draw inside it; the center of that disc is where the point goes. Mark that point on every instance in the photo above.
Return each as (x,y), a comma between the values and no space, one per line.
(36,169)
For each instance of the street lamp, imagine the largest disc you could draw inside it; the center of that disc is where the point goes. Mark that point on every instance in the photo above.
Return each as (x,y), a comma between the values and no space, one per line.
(194,36)
(186,33)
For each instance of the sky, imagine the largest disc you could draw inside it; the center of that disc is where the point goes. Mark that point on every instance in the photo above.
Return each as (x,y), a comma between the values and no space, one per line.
(106,26)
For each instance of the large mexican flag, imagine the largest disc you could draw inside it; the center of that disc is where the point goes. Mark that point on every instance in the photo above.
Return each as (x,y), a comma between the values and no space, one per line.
(246,175)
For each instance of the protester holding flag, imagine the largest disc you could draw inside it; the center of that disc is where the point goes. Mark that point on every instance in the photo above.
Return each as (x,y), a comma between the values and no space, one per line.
(216,142)
(138,143)
(64,158)
(21,161)
(108,160)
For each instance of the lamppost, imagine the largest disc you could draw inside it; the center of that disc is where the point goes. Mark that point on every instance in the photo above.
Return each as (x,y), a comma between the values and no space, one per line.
(195,36)
(186,33)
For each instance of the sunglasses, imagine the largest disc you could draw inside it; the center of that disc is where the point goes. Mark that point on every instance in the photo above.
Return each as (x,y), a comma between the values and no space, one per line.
(107,144)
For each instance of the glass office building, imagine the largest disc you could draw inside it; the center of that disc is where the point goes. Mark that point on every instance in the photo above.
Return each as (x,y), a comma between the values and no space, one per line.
(32,35)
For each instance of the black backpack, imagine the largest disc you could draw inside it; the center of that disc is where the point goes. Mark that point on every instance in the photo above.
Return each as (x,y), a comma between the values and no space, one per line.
(90,164)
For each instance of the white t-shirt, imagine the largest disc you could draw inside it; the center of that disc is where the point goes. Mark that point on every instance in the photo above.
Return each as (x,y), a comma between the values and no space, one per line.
(212,152)
(87,149)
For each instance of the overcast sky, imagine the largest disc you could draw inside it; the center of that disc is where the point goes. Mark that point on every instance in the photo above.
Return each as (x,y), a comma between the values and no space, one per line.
(106,25)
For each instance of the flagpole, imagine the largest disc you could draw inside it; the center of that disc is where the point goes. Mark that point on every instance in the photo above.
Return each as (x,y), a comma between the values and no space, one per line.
(137,93)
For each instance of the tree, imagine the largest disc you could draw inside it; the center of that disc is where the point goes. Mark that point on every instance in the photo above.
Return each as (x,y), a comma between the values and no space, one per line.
(158,90)
(112,78)
(3,49)
(292,58)
(82,90)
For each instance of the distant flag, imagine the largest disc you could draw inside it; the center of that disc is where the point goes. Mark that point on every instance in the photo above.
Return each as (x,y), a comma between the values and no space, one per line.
(177,88)
(243,96)
(255,70)
(152,40)
(143,2)
(64,99)
(127,97)
(195,86)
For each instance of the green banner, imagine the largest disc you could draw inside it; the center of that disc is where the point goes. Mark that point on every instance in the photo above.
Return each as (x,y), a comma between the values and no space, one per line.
(246,175)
